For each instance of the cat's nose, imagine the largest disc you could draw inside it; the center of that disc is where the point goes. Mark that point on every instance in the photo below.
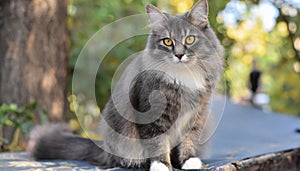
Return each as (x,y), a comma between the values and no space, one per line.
(179,56)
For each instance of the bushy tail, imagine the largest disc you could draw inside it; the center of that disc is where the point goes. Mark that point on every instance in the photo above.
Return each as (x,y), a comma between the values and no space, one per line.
(56,141)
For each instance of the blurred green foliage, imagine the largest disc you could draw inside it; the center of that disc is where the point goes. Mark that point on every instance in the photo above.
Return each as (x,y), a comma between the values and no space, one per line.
(18,118)
(243,42)
(274,50)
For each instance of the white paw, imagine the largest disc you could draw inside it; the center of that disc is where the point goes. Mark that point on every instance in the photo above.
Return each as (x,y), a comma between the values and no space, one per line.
(192,163)
(158,166)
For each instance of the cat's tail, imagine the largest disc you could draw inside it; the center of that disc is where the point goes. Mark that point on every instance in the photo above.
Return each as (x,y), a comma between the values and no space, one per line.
(56,141)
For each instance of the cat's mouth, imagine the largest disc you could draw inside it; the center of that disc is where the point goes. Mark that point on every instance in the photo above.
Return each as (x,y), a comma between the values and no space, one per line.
(181,64)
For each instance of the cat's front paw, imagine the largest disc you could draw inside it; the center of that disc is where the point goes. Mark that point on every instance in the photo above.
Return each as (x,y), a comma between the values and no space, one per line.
(192,163)
(158,166)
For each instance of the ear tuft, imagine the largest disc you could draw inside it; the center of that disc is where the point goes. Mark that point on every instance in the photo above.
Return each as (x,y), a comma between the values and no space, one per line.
(198,15)
(152,9)
(155,16)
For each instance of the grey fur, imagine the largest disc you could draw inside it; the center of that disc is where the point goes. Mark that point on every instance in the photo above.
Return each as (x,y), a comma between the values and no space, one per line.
(159,106)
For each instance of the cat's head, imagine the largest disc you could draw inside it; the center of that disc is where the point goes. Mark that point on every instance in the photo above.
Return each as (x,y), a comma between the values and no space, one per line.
(185,39)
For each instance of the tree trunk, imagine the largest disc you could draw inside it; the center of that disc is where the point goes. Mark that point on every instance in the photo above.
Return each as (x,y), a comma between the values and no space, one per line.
(34,54)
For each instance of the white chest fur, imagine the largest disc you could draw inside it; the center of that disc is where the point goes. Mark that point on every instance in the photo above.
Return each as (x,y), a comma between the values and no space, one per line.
(185,76)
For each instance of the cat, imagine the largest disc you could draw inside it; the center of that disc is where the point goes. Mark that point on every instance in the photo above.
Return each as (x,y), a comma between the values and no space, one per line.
(158,110)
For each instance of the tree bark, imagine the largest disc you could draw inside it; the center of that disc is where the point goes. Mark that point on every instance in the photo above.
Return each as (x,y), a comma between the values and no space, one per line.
(34,54)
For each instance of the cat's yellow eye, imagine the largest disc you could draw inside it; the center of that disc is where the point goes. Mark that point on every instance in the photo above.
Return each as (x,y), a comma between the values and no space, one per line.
(190,40)
(168,42)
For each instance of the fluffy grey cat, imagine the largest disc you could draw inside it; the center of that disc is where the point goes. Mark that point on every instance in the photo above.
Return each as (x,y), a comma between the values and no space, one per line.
(157,113)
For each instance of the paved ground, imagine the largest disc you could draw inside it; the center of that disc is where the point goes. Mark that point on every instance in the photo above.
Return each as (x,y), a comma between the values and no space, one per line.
(243,132)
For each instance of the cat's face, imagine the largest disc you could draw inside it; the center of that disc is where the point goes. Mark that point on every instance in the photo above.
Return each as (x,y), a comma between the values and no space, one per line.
(177,41)
(182,39)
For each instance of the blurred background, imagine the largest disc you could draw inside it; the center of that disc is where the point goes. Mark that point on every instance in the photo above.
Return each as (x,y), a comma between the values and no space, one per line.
(41,40)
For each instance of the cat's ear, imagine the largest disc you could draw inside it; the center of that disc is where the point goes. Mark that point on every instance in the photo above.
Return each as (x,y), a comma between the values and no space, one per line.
(156,18)
(198,15)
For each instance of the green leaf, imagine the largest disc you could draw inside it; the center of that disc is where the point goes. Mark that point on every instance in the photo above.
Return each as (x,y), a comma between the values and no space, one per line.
(43,115)
(13,107)
(26,127)
(31,106)
(4,140)
(4,108)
